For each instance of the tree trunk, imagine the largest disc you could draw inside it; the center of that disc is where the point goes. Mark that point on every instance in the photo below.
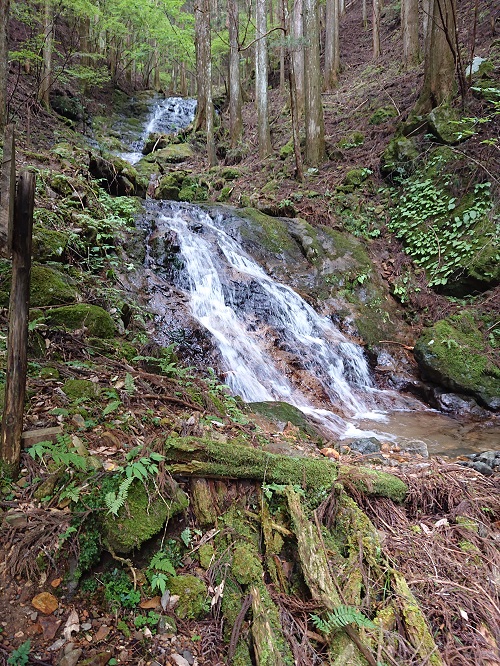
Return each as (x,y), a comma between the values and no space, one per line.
(46,75)
(261,69)
(313,105)
(297,35)
(365,14)
(4,60)
(409,28)
(205,109)
(376,28)
(439,67)
(235,100)
(332,46)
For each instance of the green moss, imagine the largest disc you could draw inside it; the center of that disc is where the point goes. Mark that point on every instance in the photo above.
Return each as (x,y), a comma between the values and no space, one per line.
(224,194)
(351,140)
(192,596)
(246,566)
(80,389)
(96,320)
(468,523)
(399,159)
(354,179)
(48,286)
(283,413)
(453,353)
(143,515)
(205,555)
(49,245)
(382,115)
(230,173)
(274,232)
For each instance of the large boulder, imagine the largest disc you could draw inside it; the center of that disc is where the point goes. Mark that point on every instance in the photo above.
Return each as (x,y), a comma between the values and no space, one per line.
(453,353)
(48,286)
(119,177)
(97,321)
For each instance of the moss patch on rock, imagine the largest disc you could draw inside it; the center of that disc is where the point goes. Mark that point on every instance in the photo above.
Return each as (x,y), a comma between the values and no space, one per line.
(453,353)
(94,318)
(192,594)
(143,515)
(80,389)
(48,286)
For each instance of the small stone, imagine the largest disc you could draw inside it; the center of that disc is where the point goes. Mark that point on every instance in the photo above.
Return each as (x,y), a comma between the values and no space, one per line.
(102,633)
(16,519)
(33,616)
(188,657)
(365,445)
(71,657)
(86,626)
(45,603)
(179,660)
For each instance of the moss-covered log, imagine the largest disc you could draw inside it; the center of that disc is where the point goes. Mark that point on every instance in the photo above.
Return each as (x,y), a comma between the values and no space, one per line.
(205,458)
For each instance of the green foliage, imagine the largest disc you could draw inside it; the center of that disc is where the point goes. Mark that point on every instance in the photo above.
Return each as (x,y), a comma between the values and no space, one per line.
(119,591)
(149,620)
(20,656)
(341,617)
(143,469)
(158,568)
(221,396)
(61,452)
(440,233)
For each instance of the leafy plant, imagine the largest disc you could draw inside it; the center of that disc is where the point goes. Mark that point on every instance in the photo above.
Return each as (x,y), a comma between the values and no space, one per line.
(143,469)
(20,656)
(341,617)
(159,566)
(149,620)
(119,591)
(62,452)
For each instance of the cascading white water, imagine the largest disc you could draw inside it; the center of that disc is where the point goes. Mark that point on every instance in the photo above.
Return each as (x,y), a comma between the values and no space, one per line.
(215,268)
(166,116)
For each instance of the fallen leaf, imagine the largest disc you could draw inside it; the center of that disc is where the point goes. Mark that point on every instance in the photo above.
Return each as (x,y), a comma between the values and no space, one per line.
(49,627)
(150,603)
(72,624)
(45,602)
(56,582)
(463,614)
(102,632)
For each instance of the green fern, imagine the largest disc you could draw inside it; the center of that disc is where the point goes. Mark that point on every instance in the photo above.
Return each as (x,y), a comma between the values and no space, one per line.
(62,452)
(339,618)
(142,469)
(115,501)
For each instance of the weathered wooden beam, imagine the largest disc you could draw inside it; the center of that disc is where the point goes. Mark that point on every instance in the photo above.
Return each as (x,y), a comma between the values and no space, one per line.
(17,358)
(7,191)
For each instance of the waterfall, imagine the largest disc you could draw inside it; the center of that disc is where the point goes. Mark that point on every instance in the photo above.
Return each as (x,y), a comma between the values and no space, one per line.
(166,116)
(251,318)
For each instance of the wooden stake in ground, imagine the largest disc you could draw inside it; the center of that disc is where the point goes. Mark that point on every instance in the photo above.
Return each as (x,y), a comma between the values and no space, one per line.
(12,421)
(7,192)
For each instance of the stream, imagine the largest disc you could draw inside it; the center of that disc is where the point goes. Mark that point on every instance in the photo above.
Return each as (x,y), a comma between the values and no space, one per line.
(271,344)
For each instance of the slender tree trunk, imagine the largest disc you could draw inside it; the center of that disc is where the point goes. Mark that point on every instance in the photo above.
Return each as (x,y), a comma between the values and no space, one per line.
(299,170)
(183,80)
(261,73)
(332,50)
(365,14)
(280,10)
(313,106)
(409,27)
(439,68)
(4,60)
(235,100)
(376,28)
(297,34)
(46,75)
(205,109)
(426,12)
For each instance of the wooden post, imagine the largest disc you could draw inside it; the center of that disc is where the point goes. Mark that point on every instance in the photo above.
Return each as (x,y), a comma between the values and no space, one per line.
(17,358)
(7,192)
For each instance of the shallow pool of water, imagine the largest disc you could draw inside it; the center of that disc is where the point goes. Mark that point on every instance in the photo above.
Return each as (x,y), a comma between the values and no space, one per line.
(444,435)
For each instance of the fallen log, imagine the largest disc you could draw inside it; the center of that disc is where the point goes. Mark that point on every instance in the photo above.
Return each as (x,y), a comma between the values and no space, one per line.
(192,456)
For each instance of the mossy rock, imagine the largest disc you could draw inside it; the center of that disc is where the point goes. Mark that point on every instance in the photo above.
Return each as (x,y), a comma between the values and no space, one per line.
(192,594)
(399,159)
(48,286)
(80,389)
(170,185)
(171,154)
(143,515)
(445,123)
(119,177)
(453,353)
(354,179)
(287,150)
(351,140)
(156,141)
(272,231)
(230,173)
(224,194)
(95,319)
(49,245)
(382,115)
(282,413)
